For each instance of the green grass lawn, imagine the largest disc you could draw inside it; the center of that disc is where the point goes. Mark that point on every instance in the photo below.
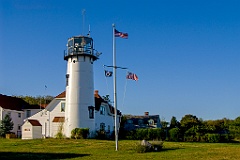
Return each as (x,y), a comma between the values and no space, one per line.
(101,149)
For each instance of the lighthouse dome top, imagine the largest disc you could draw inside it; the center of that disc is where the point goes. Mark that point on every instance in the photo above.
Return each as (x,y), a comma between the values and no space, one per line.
(80,46)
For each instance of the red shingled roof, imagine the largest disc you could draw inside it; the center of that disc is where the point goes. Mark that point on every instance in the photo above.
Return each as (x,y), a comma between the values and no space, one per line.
(58,119)
(13,103)
(34,122)
(61,95)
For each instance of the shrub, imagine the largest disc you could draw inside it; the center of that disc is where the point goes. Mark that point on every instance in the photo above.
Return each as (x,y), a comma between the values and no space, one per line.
(80,133)
(60,135)
(101,134)
(174,134)
(213,138)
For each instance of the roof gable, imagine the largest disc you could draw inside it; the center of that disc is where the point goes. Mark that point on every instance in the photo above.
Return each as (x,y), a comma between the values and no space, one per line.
(61,95)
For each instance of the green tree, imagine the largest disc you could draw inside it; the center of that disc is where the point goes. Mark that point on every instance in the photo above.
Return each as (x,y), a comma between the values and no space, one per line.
(190,126)
(6,125)
(189,121)
(234,128)
(174,123)
(174,134)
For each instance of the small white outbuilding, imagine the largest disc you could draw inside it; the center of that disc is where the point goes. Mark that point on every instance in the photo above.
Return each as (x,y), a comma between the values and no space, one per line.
(31,129)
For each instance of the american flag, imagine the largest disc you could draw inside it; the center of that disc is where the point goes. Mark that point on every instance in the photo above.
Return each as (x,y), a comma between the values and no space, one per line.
(120,34)
(132,76)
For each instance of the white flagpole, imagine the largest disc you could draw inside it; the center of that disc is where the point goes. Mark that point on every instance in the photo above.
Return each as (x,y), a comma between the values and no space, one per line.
(115,86)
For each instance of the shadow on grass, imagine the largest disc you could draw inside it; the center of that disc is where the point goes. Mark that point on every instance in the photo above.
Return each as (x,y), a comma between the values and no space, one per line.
(170,149)
(33,156)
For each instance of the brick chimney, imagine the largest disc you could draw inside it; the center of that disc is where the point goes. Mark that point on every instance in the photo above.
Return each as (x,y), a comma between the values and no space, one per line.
(96,94)
(146,113)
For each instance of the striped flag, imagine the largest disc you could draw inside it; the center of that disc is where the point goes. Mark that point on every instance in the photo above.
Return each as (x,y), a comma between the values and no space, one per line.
(120,34)
(132,76)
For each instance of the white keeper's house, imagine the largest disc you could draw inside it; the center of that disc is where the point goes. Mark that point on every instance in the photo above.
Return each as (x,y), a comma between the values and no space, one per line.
(52,118)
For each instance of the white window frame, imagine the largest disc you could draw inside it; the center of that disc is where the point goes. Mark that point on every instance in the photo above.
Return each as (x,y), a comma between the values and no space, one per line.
(63,109)
(102,110)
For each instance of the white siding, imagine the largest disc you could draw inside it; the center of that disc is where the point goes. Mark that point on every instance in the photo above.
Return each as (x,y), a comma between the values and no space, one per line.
(108,119)
(37,132)
(0,113)
(15,119)
(31,132)
(27,131)
(46,116)
(56,126)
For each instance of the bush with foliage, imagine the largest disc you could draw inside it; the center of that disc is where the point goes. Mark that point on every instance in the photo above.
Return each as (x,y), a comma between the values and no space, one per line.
(80,133)
(101,134)
(174,134)
(213,138)
(147,134)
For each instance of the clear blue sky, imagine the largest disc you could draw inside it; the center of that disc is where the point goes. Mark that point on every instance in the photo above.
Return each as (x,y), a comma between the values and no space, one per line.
(186,53)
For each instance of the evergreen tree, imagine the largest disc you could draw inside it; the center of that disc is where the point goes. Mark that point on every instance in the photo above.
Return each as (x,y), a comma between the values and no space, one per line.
(174,123)
(6,125)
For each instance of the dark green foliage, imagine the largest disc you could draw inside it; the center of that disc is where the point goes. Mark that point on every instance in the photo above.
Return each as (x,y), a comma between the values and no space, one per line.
(174,123)
(6,125)
(80,133)
(174,134)
(234,128)
(36,100)
(101,134)
(213,138)
(147,134)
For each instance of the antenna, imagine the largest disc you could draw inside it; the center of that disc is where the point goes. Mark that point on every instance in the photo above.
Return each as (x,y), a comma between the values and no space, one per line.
(83,17)
(89,30)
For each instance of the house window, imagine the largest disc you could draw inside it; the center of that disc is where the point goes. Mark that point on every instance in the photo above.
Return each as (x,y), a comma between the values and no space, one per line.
(102,110)
(102,126)
(151,122)
(91,112)
(129,121)
(19,115)
(19,127)
(28,113)
(140,122)
(63,107)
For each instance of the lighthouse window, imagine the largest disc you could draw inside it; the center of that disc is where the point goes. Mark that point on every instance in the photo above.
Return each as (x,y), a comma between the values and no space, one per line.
(91,112)
(63,107)
(102,110)
(67,77)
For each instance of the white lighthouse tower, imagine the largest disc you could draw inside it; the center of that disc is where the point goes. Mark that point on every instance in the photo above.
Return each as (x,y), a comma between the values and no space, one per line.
(79,112)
